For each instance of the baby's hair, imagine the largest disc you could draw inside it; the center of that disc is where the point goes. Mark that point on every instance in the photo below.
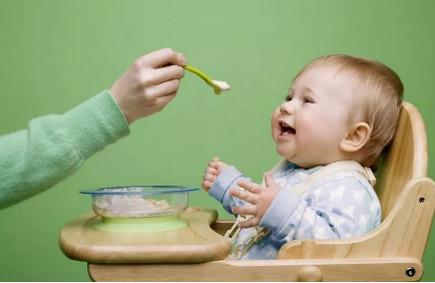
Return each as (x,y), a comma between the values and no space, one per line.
(382,92)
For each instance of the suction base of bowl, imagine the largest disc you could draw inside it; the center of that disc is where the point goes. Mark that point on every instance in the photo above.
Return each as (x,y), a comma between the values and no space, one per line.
(141,225)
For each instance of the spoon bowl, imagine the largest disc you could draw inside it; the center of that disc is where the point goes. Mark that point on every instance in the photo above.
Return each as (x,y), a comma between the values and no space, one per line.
(218,86)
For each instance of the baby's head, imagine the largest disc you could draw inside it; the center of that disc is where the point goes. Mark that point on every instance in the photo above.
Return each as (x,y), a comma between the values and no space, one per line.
(338,108)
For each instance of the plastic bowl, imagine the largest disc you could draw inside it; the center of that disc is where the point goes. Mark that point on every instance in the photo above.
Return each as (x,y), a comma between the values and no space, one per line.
(139,201)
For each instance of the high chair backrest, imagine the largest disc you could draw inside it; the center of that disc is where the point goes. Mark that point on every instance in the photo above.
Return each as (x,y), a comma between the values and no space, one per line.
(405,160)
(407,198)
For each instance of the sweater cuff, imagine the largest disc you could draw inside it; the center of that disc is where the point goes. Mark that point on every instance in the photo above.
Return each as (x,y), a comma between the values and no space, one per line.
(223,182)
(280,210)
(96,123)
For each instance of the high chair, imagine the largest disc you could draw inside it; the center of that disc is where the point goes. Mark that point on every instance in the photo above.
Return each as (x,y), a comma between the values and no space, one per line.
(391,252)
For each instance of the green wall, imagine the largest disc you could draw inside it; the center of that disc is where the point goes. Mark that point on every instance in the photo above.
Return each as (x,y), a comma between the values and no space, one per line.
(55,54)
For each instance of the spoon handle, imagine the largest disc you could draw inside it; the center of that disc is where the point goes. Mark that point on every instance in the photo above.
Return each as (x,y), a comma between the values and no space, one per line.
(199,73)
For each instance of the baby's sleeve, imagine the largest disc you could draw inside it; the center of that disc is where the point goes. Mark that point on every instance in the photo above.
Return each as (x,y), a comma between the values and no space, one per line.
(338,209)
(220,189)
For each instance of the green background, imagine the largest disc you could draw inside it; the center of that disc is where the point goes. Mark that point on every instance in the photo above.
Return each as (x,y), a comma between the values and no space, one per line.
(56,54)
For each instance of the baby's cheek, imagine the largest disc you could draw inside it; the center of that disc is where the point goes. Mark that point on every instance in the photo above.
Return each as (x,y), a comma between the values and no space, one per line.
(274,117)
(309,131)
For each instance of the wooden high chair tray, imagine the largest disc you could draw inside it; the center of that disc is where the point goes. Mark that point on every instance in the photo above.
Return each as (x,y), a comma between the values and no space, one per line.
(196,243)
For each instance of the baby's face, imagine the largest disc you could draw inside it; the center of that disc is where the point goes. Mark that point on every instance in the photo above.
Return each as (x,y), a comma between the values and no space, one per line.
(309,125)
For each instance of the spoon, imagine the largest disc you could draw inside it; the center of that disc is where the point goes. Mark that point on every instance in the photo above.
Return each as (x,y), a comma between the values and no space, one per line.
(218,86)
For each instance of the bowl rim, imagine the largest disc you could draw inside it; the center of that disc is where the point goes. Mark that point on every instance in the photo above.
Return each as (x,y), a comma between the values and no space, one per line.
(152,190)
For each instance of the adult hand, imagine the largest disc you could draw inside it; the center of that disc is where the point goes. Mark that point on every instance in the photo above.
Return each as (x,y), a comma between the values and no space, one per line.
(149,84)
(258,199)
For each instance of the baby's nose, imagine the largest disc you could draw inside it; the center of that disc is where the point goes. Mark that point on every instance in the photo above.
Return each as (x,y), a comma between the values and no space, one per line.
(286,108)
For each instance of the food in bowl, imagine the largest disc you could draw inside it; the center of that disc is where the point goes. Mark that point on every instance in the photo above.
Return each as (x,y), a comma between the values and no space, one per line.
(139,201)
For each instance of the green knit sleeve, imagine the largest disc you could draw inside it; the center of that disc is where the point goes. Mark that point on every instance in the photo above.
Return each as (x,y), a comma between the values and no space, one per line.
(54,146)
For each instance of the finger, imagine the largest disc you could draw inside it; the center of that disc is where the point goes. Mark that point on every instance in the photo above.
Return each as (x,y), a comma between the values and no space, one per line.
(268,180)
(215,164)
(162,89)
(212,171)
(160,102)
(212,163)
(249,186)
(244,195)
(251,222)
(206,185)
(209,177)
(161,57)
(157,104)
(163,100)
(245,210)
(167,73)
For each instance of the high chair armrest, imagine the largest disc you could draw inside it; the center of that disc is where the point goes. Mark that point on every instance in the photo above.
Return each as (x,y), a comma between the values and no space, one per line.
(403,233)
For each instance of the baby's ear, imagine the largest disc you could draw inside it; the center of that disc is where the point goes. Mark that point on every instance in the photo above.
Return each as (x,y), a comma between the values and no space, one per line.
(357,136)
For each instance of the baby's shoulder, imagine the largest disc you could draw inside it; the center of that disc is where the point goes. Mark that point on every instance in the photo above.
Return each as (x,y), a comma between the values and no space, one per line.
(343,183)
(347,176)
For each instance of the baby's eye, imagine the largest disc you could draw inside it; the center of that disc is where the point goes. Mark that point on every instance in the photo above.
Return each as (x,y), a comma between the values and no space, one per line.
(308,100)
(288,97)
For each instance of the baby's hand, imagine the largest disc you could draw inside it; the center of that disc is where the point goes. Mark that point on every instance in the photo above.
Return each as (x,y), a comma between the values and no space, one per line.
(258,197)
(149,84)
(214,168)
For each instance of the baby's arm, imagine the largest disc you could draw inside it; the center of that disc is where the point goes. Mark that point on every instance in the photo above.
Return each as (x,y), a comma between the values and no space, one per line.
(217,181)
(339,209)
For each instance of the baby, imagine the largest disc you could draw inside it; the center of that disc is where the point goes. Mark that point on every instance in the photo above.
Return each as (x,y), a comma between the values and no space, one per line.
(339,115)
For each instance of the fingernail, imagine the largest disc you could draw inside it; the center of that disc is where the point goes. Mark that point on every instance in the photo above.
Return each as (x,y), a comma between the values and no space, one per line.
(182,58)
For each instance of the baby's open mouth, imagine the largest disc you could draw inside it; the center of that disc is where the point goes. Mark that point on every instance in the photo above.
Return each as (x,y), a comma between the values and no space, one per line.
(286,129)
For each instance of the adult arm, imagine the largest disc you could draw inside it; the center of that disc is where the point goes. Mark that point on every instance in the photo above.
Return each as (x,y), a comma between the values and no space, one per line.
(55,146)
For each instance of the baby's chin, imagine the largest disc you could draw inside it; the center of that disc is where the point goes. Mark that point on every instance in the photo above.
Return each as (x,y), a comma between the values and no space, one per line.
(293,158)
(285,154)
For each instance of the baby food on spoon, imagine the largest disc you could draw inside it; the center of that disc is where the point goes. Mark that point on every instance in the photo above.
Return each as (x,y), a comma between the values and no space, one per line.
(218,86)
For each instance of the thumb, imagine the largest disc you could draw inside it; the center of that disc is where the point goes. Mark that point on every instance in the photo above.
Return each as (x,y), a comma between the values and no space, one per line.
(268,180)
